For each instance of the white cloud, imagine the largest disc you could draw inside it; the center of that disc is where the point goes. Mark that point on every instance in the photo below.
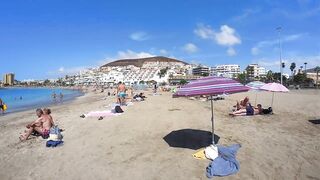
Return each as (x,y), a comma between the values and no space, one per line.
(231,51)
(268,43)
(163,52)
(245,14)
(227,36)
(129,54)
(62,71)
(139,36)
(204,32)
(190,48)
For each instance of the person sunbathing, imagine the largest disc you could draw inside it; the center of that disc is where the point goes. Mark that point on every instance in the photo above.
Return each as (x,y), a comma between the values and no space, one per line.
(47,114)
(42,126)
(248,111)
(242,104)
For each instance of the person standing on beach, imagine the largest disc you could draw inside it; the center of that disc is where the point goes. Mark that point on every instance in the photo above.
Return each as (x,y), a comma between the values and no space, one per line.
(155,87)
(1,106)
(121,93)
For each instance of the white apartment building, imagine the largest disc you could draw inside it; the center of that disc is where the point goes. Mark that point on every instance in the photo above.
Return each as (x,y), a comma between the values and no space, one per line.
(257,71)
(226,70)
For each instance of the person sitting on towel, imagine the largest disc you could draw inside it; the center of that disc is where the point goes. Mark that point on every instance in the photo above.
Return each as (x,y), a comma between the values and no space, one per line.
(242,104)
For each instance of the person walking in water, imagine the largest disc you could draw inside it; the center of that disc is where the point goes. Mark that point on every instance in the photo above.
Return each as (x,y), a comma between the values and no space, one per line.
(54,96)
(61,97)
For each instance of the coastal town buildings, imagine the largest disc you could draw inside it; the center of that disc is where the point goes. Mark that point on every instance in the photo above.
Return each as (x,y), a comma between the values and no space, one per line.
(225,70)
(314,73)
(155,69)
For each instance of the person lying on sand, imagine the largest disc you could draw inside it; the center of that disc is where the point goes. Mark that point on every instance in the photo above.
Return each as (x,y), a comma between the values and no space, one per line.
(42,126)
(248,111)
(242,104)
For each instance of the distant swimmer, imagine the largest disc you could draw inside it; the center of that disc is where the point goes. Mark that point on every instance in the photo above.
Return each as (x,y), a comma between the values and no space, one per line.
(61,97)
(20,97)
(54,96)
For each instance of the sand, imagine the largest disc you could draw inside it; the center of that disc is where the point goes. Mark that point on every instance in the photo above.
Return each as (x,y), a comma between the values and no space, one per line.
(132,145)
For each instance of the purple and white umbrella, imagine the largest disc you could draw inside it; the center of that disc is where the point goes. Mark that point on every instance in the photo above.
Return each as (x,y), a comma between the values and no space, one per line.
(274,87)
(211,86)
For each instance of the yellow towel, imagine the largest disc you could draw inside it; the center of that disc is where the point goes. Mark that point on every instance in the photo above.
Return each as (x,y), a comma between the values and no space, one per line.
(199,154)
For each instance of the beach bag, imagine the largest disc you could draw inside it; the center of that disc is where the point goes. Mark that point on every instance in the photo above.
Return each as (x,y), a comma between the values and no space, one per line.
(55,133)
(267,111)
(211,152)
(4,107)
(118,109)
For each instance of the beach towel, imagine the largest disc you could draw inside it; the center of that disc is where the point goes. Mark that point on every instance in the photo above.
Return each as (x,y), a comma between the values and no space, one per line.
(52,143)
(199,154)
(226,163)
(100,114)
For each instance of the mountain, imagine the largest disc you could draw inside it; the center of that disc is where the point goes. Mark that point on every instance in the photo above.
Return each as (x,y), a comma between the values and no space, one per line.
(139,62)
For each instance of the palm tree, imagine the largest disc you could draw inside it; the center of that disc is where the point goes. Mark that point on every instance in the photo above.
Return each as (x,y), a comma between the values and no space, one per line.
(292,67)
(305,67)
(317,70)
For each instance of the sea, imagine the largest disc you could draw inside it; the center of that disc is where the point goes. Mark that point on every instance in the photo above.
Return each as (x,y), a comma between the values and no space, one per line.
(20,99)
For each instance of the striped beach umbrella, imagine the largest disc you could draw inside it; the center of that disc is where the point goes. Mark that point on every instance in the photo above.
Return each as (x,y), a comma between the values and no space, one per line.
(211,86)
(255,85)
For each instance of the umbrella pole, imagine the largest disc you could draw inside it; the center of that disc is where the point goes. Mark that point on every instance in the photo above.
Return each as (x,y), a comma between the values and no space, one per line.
(212,121)
(255,101)
(272,100)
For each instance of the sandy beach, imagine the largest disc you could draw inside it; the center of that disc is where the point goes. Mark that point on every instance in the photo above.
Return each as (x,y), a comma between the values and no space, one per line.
(132,146)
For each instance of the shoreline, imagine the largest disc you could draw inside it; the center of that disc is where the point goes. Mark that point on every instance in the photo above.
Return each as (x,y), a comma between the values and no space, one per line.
(46,103)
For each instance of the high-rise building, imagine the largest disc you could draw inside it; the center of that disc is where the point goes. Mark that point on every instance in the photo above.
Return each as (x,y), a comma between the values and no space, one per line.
(8,79)
(226,70)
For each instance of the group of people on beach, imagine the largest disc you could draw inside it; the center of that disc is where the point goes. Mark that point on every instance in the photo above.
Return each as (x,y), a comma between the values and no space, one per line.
(56,96)
(41,126)
(244,108)
(124,93)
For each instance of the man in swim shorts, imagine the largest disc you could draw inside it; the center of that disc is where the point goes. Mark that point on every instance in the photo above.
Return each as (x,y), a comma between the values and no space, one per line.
(121,92)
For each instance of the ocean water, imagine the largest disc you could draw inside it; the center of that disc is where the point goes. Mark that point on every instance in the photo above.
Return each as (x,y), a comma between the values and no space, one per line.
(19,99)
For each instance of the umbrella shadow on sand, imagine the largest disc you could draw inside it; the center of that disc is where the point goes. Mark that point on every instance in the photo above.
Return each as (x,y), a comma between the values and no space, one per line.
(190,138)
(315,121)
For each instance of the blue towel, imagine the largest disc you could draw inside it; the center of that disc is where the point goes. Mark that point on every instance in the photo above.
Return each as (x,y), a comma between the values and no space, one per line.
(226,163)
(51,143)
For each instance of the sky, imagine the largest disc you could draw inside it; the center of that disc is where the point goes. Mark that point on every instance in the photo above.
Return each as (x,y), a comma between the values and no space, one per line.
(42,39)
